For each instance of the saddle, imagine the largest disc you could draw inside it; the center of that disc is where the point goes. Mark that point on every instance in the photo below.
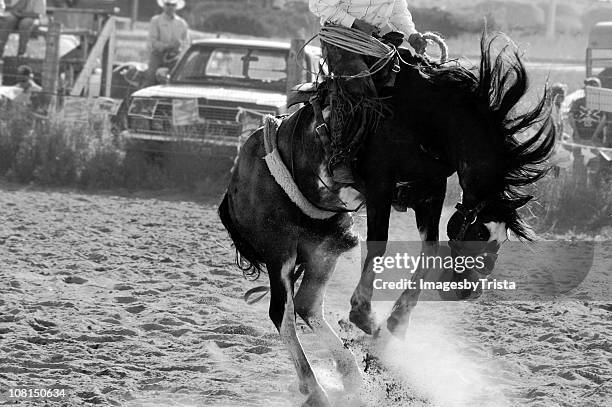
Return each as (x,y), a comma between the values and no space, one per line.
(315,95)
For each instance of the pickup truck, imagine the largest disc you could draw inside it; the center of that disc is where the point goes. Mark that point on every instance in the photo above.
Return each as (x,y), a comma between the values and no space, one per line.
(599,53)
(219,90)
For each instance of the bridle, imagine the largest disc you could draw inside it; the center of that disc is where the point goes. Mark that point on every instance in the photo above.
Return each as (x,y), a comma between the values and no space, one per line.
(470,216)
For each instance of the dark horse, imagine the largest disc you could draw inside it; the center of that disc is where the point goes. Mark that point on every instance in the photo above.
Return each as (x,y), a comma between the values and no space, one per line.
(445,119)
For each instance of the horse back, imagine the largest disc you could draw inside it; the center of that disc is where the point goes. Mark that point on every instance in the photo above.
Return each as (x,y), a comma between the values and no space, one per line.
(260,208)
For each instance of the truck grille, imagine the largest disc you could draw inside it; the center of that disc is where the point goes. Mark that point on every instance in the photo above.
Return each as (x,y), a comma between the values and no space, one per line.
(218,120)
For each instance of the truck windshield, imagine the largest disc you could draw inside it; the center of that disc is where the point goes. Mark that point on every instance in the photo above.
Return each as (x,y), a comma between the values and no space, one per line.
(249,67)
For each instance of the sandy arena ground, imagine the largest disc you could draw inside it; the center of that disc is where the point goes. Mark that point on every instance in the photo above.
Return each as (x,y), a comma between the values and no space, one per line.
(134,301)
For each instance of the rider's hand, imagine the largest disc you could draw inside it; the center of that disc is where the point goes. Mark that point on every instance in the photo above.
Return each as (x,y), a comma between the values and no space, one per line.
(365,27)
(417,42)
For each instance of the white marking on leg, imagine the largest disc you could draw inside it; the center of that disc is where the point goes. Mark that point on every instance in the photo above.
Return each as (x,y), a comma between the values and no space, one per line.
(409,299)
(344,358)
(308,381)
(497,231)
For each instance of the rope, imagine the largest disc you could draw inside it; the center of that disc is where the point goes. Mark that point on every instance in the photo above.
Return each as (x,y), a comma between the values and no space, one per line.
(352,40)
(356,41)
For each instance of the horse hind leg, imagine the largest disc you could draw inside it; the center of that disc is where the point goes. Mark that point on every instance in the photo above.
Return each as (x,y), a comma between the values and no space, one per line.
(309,306)
(282,313)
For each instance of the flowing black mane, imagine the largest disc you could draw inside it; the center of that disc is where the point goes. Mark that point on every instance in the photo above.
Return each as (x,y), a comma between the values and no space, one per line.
(497,87)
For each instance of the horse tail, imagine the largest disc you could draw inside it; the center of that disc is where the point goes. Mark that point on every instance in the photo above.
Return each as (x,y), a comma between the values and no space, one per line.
(249,296)
(257,294)
(247,258)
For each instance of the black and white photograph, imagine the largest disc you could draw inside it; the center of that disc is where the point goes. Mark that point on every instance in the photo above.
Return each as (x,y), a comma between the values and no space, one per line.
(306,203)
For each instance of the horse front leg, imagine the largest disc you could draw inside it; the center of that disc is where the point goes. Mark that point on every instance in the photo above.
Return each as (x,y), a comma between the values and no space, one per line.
(379,194)
(428,212)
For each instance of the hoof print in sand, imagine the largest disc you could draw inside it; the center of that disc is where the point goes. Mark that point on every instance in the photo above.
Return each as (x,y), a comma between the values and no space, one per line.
(125,300)
(259,350)
(74,280)
(136,309)
(237,330)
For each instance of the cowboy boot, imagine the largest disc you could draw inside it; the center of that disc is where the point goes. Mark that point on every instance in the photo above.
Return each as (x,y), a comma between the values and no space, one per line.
(339,166)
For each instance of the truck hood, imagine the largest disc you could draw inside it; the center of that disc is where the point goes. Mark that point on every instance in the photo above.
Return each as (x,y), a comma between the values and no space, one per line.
(259,97)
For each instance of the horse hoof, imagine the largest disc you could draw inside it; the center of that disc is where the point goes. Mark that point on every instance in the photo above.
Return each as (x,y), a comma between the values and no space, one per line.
(363,320)
(317,399)
(397,327)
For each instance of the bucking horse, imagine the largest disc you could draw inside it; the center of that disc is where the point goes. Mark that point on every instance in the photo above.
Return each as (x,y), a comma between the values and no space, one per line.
(286,216)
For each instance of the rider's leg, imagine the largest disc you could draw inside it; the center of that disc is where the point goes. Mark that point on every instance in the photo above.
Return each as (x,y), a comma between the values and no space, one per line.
(346,97)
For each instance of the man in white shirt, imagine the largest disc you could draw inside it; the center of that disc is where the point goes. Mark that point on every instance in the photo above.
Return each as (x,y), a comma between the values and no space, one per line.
(374,17)
(27,85)
(168,36)
(370,16)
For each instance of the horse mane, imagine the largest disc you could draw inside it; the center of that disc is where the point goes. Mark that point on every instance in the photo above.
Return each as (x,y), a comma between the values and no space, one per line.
(503,81)
(498,86)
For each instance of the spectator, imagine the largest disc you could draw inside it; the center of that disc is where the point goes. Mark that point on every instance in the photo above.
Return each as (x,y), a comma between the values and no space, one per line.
(168,36)
(588,125)
(25,82)
(25,79)
(557,95)
(22,16)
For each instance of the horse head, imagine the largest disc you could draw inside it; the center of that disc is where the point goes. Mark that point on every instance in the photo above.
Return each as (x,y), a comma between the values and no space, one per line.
(473,117)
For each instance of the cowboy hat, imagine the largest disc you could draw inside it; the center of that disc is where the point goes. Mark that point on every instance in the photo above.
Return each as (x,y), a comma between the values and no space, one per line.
(179,3)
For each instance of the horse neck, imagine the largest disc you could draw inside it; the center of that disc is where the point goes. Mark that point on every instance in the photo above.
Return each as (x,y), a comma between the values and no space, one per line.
(456,130)
(302,152)
(307,158)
